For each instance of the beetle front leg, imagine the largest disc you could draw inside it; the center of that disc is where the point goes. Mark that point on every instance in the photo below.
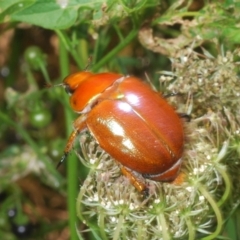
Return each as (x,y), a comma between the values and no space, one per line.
(135,180)
(79,125)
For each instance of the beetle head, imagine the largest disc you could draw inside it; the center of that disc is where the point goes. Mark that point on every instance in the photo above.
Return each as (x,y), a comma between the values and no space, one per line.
(85,88)
(72,82)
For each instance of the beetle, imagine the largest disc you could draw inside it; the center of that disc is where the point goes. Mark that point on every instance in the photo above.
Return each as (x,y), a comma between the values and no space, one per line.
(130,121)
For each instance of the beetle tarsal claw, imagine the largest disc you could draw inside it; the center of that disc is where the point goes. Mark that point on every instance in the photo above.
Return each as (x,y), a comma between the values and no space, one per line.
(145,192)
(62,159)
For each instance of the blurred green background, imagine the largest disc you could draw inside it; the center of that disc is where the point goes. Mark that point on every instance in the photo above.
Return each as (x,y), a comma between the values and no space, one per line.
(41,42)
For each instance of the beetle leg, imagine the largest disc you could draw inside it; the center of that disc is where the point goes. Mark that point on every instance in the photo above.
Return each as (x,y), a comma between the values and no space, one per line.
(79,125)
(135,180)
(181,115)
(185,115)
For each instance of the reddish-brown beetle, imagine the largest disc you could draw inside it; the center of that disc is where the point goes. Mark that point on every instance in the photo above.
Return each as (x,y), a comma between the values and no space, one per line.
(130,121)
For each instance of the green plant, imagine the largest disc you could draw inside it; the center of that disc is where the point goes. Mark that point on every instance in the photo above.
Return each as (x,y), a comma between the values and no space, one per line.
(131,37)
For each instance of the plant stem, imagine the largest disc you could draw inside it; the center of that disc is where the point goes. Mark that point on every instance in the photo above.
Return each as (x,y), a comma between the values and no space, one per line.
(114,51)
(162,222)
(222,170)
(20,130)
(216,210)
(72,164)
(191,228)
(118,229)
(65,41)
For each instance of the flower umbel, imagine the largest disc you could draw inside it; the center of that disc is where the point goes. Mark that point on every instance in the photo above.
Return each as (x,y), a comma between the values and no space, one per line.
(193,209)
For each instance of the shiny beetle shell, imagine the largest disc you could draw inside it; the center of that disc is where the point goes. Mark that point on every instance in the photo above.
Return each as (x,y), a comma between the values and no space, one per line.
(130,121)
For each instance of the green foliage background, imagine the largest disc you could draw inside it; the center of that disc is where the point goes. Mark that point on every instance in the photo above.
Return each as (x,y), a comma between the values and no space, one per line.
(131,37)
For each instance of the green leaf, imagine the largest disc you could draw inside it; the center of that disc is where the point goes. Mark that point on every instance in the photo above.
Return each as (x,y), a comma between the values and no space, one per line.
(53,14)
(232,34)
(8,8)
